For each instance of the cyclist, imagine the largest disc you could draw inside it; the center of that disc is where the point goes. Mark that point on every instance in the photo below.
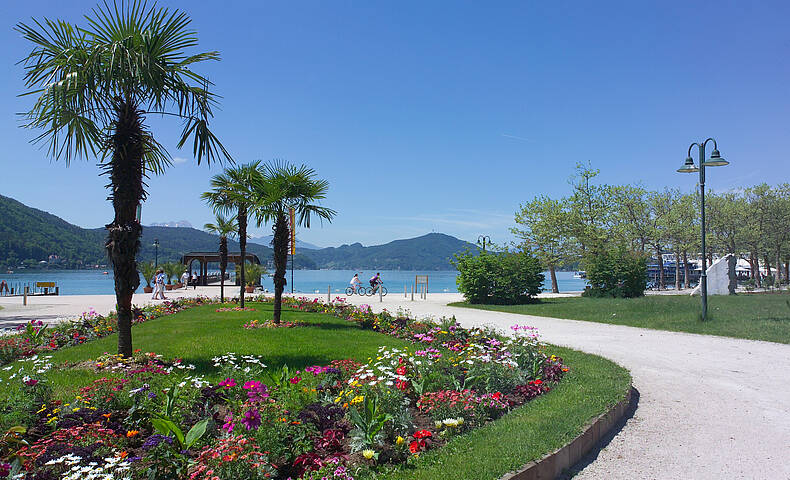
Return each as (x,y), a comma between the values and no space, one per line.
(355,282)
(375,281)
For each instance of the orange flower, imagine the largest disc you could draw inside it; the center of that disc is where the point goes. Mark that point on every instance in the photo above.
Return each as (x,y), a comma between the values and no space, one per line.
(106,415)
(123,454)
(132,433)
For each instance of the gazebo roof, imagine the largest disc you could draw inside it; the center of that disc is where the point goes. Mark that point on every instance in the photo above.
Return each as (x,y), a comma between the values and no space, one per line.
(233,257)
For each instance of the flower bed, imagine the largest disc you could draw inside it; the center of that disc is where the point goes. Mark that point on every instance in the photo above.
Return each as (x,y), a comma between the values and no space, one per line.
(154,418)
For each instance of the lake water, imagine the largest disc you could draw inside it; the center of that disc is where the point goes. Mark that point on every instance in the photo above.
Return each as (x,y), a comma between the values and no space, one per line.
(93,282)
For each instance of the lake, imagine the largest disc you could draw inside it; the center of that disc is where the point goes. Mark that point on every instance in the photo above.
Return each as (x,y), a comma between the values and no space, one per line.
(93,282)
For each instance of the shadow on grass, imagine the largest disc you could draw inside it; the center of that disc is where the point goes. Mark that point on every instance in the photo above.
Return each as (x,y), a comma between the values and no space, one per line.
(604,442)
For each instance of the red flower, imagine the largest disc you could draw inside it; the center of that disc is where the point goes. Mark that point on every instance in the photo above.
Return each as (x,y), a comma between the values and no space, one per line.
(497,395)
(401,370)
(422,434)
(417,446)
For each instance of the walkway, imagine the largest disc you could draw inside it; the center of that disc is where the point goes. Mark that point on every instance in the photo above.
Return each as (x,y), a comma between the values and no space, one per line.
(709,407)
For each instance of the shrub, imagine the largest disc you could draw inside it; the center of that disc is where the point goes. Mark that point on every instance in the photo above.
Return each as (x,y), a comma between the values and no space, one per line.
(616,273)
(504,278)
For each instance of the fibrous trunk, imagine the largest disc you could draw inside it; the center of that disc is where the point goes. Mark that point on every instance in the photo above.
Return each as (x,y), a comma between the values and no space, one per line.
(280,244)
(125,169)
(242,249)
(223,265)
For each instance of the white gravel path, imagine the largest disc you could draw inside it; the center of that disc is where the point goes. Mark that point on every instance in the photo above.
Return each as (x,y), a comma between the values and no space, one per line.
(709,408)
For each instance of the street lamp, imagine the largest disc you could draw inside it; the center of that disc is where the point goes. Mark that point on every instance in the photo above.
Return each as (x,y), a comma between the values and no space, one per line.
(481,240)
(715,160)
(156,246)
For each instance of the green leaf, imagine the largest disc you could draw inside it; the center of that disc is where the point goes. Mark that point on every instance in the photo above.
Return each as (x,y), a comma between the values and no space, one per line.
(197,431)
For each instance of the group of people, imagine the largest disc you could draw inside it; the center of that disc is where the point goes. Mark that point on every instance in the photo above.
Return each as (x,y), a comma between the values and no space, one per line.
(158,282)
(374,281)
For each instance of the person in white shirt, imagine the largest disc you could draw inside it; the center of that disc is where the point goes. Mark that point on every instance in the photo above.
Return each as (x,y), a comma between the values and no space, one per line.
(355,282)
(185,279)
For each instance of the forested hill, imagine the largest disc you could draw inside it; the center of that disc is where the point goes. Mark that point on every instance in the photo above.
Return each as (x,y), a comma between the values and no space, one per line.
(29,236)
(433,251)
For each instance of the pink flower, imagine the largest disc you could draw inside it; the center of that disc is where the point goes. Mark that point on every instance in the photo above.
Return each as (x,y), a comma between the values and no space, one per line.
(228,383)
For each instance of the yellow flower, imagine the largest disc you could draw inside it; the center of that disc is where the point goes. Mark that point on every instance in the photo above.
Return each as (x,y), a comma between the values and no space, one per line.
(399,441)
(357,399)
(368,453)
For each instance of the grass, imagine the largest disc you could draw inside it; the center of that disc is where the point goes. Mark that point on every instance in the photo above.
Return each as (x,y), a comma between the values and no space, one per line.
(592,385)
(763,316)
(529,432)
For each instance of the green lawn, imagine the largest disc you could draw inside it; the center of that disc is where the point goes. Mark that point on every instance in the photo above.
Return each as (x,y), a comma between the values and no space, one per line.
(764,316)
(545,424)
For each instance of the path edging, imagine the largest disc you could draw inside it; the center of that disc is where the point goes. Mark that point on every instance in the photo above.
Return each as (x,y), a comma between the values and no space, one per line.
(554,463)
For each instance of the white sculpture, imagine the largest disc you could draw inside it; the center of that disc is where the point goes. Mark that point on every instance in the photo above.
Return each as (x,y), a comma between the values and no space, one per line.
(721,276)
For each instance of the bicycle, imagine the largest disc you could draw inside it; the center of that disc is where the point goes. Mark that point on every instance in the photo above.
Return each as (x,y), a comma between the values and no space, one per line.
(369,291)
(361,291)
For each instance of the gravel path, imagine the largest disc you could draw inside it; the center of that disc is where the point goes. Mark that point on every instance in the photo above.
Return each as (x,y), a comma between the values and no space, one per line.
(709,408)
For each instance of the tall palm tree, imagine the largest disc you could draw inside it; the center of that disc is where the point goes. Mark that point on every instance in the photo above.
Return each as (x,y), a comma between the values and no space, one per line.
(235,191)
(287,186)
(94,86)
(225,227)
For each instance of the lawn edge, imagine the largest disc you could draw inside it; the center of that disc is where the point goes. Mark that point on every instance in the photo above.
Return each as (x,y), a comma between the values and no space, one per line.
(594,432)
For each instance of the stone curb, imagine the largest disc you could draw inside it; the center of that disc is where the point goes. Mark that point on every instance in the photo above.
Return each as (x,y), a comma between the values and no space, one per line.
(554,463)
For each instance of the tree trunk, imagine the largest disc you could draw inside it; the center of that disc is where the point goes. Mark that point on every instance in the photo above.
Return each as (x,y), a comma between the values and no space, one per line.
(660,268)
(756,270)
(125,169)
(280,244)
(787,271)
(223,265)
(685,269)
(242,218)
(677,270)
(778,266)
(553,274)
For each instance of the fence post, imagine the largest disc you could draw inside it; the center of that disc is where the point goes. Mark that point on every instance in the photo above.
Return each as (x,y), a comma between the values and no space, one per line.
(329,294)
(24,297)
(405,293)
(381,297)
(412,292)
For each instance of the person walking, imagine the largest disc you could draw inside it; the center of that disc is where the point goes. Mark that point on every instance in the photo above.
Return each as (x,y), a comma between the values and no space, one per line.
(3,287)
(160,284)
(194,280)
(155,283)
(185,279)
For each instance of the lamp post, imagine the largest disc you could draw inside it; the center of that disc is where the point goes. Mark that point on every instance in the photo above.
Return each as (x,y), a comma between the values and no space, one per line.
(156,257)
(481,240)
(715,160)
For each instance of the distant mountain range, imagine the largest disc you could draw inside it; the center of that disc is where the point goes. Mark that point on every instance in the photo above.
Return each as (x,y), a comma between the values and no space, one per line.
(267,240)
(174,224)
(34,238)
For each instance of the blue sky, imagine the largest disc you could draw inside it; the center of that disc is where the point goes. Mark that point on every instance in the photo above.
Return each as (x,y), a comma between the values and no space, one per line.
(444,116)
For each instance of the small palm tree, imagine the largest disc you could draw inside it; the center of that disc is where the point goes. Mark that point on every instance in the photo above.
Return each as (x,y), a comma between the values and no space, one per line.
(235,191)
(287,186)
(94,86)
(225,227)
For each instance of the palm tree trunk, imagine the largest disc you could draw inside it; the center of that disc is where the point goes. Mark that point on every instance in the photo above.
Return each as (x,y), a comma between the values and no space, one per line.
(223,265)
(553,274)
(125,169)
(280,244)
(242,248)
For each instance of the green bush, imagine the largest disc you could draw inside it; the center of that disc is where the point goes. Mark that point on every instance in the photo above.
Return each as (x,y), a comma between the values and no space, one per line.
(616,273)
(505,278)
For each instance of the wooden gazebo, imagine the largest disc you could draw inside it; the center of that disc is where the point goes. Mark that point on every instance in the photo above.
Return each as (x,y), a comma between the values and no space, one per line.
(204,258)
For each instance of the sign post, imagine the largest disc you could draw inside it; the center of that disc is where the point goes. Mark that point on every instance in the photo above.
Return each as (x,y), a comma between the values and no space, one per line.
(422,283)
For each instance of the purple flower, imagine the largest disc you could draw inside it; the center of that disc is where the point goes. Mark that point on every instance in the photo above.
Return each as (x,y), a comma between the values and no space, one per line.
(252,419)
(256,391)
(155,440)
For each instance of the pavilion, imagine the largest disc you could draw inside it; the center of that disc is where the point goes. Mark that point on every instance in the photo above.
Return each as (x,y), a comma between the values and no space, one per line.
(204,258)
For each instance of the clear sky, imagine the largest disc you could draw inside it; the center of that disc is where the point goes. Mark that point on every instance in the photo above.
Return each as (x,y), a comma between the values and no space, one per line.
(444,116)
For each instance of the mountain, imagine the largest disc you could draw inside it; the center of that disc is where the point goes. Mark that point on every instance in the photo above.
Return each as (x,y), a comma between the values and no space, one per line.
(267,240)
(35,238)
(428,252)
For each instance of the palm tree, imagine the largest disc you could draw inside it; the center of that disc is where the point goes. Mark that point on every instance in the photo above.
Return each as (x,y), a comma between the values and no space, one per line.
(235,190)
(94,86)
(287,186)
(225,227)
